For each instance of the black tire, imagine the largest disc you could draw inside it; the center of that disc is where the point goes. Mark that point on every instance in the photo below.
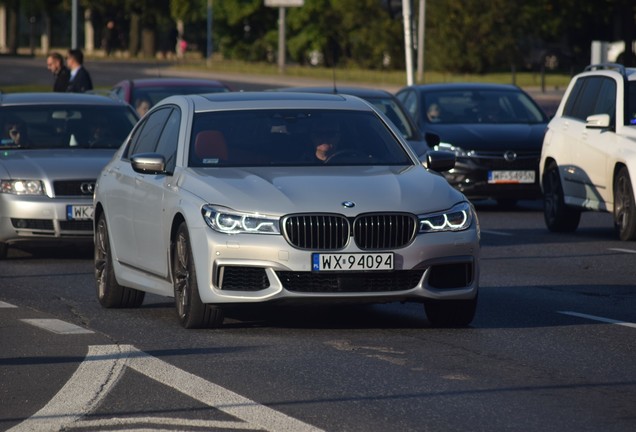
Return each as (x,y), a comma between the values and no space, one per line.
(450,313)
(624,206)
(109,293)
(3,250)
(558,216)
(191,311)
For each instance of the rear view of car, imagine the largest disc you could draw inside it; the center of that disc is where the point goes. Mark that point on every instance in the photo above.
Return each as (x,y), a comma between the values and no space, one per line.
(52,150)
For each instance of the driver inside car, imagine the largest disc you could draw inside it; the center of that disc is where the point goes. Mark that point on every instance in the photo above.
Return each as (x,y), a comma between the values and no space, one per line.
(325,137)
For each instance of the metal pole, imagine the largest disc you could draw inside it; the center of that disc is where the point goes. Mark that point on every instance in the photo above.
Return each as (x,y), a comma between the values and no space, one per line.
(421,30)
(74,25)
(281,40)
(408,41)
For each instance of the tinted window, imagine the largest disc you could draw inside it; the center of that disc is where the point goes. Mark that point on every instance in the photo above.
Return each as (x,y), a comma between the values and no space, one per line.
(59,126)
(606,101)
(292,137)
(146,139)
(585,102)
(168,141)
(630,109)
(396,114)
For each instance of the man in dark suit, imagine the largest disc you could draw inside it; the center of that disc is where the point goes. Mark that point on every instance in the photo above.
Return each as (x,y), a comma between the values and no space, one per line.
(55,63)
(80,78)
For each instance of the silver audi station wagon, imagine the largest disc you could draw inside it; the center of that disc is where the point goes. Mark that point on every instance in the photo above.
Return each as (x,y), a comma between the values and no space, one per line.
(52,149)
(226,199)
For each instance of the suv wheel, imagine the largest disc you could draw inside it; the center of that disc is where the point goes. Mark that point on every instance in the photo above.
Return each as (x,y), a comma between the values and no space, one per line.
(624,206)
(558,216)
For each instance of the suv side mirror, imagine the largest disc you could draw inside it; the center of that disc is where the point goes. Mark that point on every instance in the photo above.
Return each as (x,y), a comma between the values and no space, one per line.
(598,121)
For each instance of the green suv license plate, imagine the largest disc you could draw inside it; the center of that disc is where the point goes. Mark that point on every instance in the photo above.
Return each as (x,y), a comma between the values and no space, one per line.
(352,262)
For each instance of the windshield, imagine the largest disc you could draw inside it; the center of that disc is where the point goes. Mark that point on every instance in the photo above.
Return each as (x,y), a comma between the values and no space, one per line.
(480,106)
(293,137)
(60,126)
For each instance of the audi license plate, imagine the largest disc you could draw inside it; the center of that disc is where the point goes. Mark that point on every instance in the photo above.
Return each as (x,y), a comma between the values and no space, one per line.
(352,262)
(513,177)
(79,212)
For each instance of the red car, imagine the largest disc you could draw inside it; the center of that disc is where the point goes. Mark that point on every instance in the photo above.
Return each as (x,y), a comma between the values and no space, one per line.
(143,93)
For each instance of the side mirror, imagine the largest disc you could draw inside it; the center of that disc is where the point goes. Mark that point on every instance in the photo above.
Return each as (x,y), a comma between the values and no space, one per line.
(598,121)
(440,161)
(148,163)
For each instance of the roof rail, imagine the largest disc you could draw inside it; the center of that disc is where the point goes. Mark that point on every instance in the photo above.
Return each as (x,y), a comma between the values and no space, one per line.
(615,66)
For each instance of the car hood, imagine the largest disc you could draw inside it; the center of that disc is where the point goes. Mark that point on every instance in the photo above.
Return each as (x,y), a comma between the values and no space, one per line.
(279,191)
(54,164)
(492,136)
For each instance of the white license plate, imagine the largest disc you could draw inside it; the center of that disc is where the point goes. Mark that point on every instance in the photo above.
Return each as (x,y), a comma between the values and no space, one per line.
(511,176)
(352,262)
(79,212)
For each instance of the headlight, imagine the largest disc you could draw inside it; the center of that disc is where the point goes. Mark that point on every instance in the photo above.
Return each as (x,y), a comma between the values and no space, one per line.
(459,152)
(458,218)
(22,187)
(225,220)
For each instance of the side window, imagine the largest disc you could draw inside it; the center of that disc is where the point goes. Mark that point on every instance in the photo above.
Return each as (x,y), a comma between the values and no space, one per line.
(606,102)
(169,139)
(147,139)
(585,103)
(568,111)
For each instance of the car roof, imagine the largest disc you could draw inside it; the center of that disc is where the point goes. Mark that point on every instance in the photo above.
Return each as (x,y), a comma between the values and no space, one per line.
(271,100)
(362,92)
(464,86)
(53,98)
(173,82)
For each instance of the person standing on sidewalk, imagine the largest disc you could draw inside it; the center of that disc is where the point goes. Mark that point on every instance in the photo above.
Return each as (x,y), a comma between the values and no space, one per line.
(55,63)
(80,78)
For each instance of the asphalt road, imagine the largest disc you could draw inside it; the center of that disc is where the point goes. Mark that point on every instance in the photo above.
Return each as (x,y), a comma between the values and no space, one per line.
(551,349)
(28,70)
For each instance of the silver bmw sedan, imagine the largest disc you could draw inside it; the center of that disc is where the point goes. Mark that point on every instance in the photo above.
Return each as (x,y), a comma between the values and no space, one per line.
(225,199)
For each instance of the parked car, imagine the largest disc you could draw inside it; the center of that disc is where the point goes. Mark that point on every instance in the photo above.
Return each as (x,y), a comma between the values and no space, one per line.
(390,106)
(222,199)
(53,147)
(495,130)
(588,160)
(144,93)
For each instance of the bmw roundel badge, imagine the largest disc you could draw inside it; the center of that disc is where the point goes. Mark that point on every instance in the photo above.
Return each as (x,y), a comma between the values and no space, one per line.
(348,204)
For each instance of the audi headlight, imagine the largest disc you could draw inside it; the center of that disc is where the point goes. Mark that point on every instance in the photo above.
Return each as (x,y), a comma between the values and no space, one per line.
(459,152)
(22,187)
(228,221)
(458,218)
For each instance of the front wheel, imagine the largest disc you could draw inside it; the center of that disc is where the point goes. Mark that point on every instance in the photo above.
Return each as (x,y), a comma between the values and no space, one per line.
(109,293)
(624,206)
(450,313)
(191,311)
(558,216)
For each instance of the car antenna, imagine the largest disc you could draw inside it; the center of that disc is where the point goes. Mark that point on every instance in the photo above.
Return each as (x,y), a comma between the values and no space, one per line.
(333,72)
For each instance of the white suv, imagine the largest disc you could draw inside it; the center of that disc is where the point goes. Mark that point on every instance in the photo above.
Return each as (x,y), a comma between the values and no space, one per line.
(588,159)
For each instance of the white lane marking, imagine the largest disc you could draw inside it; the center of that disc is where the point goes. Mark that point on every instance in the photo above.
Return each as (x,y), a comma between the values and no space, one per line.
(601,319)
(499,233)
(104,365)
(57,326)
(214,395)
(90,383)
(622,250)
(6,305)
(149,422)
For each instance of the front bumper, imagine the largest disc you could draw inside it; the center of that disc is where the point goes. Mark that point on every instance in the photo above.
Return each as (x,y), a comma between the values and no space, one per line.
(470,176)
(28,218)
(260,268)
